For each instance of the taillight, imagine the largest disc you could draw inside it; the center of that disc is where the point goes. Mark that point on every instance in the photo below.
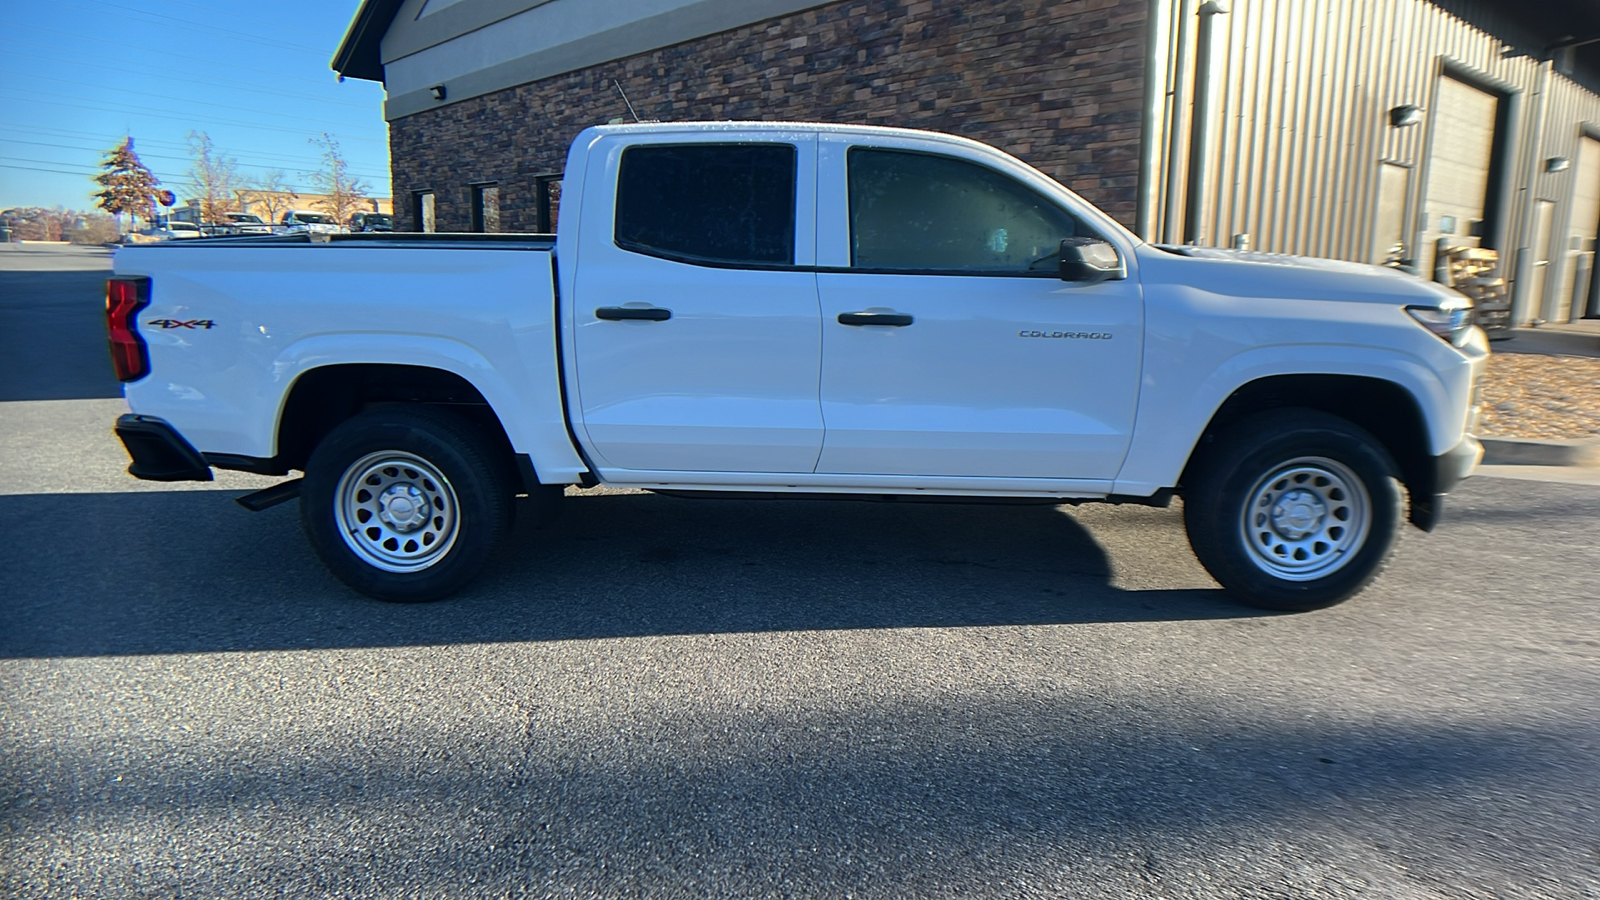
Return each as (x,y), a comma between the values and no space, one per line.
(125,298)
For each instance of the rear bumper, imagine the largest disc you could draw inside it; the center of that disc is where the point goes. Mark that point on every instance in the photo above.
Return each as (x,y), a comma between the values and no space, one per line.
(159,452)
(1447,470)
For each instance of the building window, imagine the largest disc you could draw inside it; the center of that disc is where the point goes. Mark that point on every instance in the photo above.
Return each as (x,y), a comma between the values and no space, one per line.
(486,207)
(708,203)
(548,188)
(422,211)
(919,212)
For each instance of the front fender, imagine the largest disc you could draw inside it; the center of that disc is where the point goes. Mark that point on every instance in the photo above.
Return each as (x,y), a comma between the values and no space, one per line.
(1173,414)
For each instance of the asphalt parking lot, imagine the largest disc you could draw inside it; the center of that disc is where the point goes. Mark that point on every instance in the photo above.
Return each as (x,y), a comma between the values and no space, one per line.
(659,697)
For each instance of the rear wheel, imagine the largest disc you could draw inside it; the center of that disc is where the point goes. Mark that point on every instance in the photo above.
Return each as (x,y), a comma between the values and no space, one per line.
(1294,510)
(405,505)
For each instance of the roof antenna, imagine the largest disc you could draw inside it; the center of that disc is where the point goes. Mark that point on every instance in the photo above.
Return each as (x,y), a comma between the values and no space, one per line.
(618,85)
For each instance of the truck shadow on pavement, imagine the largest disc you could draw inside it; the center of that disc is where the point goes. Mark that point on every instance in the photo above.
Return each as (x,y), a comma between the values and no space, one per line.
(190,572)
(53,342)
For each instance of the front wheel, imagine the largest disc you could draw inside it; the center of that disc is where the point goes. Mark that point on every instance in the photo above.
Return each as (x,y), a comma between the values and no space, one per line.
(405,505)
(1294,510)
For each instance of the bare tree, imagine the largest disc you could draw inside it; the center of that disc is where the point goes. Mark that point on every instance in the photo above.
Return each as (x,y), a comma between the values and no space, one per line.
(126,184)
(270,194)
(344,192)
(213,177)
(33,223)
(92,228)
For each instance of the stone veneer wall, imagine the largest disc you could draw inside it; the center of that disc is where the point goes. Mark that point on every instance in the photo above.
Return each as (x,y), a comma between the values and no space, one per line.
(1058,83)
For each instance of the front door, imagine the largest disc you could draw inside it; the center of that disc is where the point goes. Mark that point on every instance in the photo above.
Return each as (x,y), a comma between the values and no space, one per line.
(695,309)
(1583,224)
(950,345)
(1543,221)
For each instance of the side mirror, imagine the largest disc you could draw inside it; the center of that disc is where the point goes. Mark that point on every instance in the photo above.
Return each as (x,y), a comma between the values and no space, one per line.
(1088,260)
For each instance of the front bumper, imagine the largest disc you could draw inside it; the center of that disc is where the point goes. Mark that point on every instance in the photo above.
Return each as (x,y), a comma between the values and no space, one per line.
(1446,470)
(1457,463)
(159,452)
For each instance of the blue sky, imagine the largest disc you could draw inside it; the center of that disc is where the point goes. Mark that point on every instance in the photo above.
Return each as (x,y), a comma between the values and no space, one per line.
(77,75)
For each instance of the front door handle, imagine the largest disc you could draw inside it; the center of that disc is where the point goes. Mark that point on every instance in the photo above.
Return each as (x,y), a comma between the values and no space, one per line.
(897,320)
(620,313)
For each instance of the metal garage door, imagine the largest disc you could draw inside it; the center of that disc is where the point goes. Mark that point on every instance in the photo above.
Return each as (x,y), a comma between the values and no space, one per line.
(1581,228)
(1458,167)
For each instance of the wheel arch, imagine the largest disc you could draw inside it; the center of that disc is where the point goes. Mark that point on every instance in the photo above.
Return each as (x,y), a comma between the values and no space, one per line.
(322,397)
(1384,408)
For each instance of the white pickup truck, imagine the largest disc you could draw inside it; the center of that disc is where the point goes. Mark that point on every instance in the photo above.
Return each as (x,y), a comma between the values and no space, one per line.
(739,308)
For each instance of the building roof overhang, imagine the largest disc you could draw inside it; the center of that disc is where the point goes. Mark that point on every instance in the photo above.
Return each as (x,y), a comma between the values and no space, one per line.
(360,54)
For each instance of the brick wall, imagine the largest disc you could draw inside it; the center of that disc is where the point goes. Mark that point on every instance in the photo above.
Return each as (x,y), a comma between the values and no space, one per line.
(1059,83)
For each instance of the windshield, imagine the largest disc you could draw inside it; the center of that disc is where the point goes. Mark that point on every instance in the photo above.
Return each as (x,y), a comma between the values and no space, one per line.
(182,226)
(378,220)
(314,218)
(245,217)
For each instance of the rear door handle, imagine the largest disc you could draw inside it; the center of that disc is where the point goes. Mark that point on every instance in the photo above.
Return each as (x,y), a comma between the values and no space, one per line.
(897,320)
(619,313)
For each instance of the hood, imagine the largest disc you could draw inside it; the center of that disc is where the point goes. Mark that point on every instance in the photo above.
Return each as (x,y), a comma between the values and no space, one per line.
(1252,273)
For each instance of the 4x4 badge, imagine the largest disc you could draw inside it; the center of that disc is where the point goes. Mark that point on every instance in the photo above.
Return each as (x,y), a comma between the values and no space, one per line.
(182,323)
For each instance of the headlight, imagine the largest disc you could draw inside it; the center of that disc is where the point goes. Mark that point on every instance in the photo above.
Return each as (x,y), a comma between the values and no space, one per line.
(1451,320)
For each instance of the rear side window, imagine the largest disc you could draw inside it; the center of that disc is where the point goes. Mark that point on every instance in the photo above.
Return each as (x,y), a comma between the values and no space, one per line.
(708,203)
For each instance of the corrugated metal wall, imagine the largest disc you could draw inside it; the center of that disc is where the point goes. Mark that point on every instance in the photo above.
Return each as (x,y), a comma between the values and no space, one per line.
(1296,101)
(1572,114)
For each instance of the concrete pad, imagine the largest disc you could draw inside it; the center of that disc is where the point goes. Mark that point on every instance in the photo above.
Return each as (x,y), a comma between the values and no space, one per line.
(1554,474)
(1528,452)
(1580,338)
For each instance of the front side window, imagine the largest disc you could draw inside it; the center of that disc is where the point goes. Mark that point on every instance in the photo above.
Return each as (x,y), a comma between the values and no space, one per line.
(708,203)
(919,212)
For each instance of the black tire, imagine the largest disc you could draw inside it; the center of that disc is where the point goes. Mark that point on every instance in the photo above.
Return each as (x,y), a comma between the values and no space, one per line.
(425,498)
(1325,509)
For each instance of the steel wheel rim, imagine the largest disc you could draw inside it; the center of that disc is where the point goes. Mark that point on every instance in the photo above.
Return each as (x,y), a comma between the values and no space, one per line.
(396,511)
(1305,519)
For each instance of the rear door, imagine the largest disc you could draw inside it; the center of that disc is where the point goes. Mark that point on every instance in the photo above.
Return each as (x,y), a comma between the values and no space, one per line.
(696,335)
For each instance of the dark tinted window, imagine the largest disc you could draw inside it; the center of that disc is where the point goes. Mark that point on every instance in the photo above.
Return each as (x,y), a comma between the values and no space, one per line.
(725,203)
(916,211)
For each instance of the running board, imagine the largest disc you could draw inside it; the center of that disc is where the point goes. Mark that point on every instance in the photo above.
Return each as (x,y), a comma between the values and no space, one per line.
(267,498)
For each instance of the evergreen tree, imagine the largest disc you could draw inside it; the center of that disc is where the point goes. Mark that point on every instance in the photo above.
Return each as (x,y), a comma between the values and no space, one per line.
(127,185)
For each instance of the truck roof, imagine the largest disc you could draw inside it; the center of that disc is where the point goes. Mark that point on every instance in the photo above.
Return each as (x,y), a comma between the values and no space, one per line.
(713,127)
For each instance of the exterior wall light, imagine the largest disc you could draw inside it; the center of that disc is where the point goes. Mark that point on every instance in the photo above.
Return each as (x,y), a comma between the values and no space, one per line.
(1405,115)
(437,90)
(1557,164)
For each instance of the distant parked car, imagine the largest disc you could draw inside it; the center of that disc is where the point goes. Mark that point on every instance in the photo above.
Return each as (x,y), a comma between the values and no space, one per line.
(171,231)
(371,221)
(242,223)
(305,220)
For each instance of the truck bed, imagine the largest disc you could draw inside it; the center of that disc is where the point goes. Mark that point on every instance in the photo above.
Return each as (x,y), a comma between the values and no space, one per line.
(374,239)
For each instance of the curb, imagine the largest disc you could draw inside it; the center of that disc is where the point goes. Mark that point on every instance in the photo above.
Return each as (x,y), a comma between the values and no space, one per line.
(1510,452)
